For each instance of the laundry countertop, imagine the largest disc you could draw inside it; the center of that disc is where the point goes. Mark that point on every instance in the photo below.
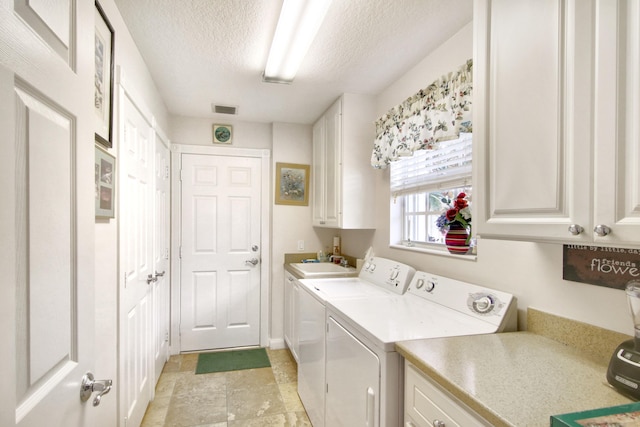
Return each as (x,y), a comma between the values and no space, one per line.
(514,379)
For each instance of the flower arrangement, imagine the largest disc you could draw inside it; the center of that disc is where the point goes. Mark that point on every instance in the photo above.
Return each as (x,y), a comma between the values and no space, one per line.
(458,212)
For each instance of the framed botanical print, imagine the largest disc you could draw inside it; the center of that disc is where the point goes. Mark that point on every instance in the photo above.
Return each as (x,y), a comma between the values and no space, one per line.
(292,184)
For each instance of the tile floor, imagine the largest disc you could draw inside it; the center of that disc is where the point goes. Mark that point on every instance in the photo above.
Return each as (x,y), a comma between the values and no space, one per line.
(247,398)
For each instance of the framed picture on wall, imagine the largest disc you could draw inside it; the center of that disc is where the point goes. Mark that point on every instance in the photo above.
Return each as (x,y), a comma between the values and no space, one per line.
(222,134)
(103,78)
(292,184)
(105,184)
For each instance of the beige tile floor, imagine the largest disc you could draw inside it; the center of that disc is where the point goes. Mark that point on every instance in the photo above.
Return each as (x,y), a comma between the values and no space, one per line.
(247,398)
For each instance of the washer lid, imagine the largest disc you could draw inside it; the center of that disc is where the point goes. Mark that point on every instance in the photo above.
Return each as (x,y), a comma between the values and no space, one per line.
(328,289)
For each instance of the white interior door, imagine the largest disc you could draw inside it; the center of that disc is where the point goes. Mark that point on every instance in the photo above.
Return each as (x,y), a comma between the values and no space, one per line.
(160,286)
(220,252)
(136,258)
(47,212)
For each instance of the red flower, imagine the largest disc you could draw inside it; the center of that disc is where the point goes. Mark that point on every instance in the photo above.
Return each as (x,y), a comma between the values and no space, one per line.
(462,196)
(451,214)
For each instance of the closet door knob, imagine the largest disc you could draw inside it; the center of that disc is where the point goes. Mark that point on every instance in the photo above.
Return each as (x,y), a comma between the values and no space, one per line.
(601,230)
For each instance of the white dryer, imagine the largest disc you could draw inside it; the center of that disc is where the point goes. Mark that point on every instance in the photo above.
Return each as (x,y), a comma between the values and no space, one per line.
(364,373)
(379,277)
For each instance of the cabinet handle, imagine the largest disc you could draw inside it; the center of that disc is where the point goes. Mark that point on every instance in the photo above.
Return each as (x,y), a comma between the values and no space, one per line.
(409,424)
(575,229)
(438,423)
(601,230)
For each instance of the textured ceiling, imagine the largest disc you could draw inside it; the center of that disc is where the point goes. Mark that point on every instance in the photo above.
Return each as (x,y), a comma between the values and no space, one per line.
(201,52)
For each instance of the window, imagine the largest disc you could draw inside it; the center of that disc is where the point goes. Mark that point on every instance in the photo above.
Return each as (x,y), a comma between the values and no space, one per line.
(422,186)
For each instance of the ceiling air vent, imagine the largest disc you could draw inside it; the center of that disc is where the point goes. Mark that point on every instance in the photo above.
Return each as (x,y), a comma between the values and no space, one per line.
(225,109)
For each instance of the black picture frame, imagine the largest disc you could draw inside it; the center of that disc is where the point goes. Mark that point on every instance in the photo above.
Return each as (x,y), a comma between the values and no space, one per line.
(104,42)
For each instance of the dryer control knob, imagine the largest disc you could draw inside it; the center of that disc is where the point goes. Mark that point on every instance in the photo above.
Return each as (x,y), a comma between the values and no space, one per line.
(431,285)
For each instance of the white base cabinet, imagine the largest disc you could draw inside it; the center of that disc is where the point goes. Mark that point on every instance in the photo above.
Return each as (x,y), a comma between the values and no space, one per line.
(556,129)
(427,405)
(291,312)
(342,193)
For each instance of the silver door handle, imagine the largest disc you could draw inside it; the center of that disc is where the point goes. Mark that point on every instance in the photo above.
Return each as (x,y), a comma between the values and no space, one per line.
(154,277)
(252,261)
(89,385)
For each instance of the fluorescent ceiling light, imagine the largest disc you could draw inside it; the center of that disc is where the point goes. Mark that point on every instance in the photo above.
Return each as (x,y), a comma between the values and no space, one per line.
(297,27)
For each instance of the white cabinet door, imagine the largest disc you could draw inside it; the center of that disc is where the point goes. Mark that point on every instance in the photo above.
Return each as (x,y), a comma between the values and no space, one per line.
(333,166)
(343,193)
(327,149)
(318,173)
(617,128)
(353,380)
(557,139)
(532,116)
(291,302)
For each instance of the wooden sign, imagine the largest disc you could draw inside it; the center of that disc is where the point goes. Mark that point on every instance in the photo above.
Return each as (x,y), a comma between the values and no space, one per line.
(602,266)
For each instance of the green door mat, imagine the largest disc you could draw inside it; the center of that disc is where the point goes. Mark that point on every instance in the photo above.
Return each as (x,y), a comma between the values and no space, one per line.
(232,360)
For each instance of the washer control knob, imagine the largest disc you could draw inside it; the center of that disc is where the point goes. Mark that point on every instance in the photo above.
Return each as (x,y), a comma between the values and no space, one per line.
(372,267)
(419,283)
(394,273)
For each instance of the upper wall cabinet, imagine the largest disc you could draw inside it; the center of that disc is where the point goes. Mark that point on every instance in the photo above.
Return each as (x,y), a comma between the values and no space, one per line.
(342,190)
(556,129)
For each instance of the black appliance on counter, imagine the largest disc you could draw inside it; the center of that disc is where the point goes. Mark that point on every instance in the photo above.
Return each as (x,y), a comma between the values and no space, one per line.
(624,368)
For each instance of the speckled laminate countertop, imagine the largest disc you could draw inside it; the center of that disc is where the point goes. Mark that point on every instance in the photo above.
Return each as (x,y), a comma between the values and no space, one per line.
(514,379)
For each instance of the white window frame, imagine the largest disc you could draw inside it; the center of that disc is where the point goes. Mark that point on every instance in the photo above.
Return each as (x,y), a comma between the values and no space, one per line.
(447,167)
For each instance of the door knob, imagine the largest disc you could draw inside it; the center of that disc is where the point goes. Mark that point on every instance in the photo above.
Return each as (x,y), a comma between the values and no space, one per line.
(89,385)
(252,261)
(151,279)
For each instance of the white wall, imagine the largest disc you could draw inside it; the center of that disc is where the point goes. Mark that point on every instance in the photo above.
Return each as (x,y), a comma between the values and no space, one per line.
(199,131)
(531,271)
(106,231)
(291,144)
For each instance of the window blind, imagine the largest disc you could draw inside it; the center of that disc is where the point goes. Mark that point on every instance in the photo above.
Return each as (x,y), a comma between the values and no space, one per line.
(449,164)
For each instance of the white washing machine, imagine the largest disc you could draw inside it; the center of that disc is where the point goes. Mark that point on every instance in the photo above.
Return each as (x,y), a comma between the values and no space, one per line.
(379,277)
(364,373)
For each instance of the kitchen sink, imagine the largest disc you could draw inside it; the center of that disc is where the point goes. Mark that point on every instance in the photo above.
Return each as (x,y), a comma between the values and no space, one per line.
(309,270)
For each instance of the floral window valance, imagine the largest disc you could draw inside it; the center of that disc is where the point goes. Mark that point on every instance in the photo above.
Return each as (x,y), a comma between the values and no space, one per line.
(438,113)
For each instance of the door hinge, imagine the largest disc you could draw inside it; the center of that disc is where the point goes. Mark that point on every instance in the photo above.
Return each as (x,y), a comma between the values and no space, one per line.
(166,172)
(180,252)
(166,253)
(166,336)
(180,175)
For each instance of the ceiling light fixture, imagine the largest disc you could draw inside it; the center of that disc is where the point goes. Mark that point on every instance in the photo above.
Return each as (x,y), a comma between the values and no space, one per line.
(297,27)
